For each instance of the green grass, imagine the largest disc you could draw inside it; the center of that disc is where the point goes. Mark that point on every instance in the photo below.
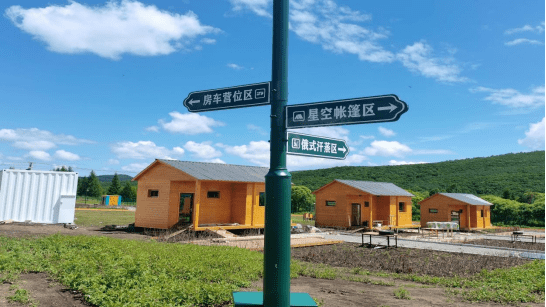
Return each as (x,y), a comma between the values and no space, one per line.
(402,294)
(102,218)
(298,219)
(21,296)
(114,272)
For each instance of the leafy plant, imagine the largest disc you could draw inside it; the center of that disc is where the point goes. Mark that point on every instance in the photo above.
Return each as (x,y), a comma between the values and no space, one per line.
(402,294)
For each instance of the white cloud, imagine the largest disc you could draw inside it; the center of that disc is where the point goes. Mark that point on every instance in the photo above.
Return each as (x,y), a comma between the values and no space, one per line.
(144,150)
(300,162)
(519,41)
(40,155)
(331,132)
(234,66)
(113,161)
(387,148)
(324,23)
(256,152)
(38,140)
(386,132)
(259,7)
(66,156)
(110,30)
(135,167)
(208,41)
(527,28)
(534,137)
(513,98)
(152,129)
(418,58)
(394,162)
(432,152)
(256,128)
(202,150)
(215,161)
(189,123)
(36,145)
(367,137)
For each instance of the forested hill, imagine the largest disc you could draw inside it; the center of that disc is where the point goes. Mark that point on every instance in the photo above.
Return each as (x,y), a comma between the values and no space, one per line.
(108,178)
(517,173)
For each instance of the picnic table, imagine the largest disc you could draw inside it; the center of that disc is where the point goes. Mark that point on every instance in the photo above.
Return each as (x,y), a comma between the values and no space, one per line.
(371,234)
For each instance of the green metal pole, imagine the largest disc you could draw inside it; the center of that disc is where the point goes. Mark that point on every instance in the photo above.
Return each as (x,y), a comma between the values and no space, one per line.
(278,179)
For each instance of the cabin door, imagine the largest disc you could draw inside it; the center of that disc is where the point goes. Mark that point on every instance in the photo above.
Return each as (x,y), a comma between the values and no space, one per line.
(456,217)
(355,216)
(186,207)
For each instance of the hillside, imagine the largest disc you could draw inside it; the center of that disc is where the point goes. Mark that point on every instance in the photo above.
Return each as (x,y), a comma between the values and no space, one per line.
(519,173)
(108,178)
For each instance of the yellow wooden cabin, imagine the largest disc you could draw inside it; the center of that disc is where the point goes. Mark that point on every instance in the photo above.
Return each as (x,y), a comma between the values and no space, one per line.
(209,195)
(348,203)
(470,211)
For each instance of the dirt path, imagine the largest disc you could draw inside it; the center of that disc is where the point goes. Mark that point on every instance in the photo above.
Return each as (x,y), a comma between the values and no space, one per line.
(21,230)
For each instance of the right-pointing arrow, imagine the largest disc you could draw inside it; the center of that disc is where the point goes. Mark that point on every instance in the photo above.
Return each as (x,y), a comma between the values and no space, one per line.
(342,149)
(391,108)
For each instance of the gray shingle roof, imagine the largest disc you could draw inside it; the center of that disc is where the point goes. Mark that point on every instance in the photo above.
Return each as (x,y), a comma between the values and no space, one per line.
(219,171)
(467,198)
(377,188)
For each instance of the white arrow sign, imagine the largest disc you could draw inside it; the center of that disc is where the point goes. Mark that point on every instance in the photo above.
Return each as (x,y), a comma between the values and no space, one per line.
(391,107)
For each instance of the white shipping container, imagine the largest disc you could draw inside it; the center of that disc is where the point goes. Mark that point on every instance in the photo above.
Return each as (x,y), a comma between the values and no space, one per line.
(38,196)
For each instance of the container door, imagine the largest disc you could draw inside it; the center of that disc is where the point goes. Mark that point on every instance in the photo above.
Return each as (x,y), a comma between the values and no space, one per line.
(186,207)
(355,219)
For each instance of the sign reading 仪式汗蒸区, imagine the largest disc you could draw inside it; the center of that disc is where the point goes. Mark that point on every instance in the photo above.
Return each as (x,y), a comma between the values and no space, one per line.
(316,146)
(230,97)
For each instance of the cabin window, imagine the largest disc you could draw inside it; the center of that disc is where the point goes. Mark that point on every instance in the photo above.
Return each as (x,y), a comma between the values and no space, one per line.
(432,210)
(401,207)
(213,194)
(153,193)
(481,213)
(330,203)
(262,199)
(366,204)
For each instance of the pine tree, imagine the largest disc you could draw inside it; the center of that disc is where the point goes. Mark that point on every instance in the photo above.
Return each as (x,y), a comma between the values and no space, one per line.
(94,187)
(128,193)
(115,187)
(83,184)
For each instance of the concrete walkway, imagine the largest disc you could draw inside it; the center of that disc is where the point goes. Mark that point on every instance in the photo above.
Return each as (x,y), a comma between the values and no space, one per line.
(446,246)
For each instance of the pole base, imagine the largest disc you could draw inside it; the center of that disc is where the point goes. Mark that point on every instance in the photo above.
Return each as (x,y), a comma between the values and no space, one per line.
(256,298)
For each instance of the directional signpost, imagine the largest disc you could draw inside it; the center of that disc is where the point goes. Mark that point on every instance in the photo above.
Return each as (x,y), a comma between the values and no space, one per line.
(276,285)
(230,97)
(316,146)
(363,110)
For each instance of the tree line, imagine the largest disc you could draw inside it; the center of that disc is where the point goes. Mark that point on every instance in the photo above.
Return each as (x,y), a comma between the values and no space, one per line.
(90,186)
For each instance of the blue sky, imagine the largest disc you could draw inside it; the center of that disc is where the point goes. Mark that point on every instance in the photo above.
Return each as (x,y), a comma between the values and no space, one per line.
(99,85)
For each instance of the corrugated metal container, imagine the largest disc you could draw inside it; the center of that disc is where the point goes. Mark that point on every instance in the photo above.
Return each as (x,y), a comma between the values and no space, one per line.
(38,196)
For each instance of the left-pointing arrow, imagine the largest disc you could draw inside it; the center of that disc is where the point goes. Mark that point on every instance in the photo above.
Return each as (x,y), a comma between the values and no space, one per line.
(391,108)
(191,102)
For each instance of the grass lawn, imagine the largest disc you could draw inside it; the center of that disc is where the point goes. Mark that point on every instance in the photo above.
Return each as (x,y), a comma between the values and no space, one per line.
(102,218)
(298,219)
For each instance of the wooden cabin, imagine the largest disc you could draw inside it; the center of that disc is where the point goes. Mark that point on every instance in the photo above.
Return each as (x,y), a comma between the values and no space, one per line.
(349,203)
(208,195)
(470,211)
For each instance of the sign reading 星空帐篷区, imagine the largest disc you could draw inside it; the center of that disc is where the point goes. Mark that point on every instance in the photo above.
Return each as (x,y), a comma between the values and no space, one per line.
(316,146)
(345,112)
(230,97)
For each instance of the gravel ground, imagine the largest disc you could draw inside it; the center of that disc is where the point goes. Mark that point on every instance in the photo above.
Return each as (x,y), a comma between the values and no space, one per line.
(443,246)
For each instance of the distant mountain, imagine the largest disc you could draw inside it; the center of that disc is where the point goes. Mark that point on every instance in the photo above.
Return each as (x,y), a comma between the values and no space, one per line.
(517,173)
(108,178)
